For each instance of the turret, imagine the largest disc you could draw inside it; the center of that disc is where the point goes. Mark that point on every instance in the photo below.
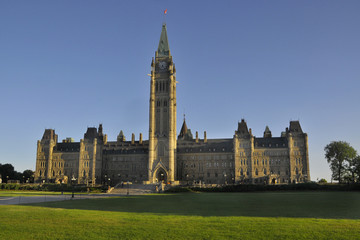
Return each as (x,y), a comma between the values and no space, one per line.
(121,137)
(267,133)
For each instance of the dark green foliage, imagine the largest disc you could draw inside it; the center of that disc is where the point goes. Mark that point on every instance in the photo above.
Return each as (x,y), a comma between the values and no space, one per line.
(312,186)
(323,180)
(340,155)
(178,190)
(7,172)
(51,188)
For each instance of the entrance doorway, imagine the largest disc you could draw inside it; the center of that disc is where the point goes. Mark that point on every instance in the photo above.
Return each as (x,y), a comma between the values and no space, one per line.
(161,176)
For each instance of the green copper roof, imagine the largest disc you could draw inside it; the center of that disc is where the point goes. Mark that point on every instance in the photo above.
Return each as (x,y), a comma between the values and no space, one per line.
(163,49)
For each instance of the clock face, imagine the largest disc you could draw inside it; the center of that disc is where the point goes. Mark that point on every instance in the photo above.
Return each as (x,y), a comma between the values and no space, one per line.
(162,65)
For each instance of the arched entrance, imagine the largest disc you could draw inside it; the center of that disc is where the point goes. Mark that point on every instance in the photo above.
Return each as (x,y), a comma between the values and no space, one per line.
(161,176)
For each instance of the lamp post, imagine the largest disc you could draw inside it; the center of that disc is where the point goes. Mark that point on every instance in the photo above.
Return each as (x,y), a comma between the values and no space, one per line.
(128,188)
(225,178)
(73,179)
(7,179)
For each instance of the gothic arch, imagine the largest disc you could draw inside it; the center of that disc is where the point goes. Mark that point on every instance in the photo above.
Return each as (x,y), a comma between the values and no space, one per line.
(160,175)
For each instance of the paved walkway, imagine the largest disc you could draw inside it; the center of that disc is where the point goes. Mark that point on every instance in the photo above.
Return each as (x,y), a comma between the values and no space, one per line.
(49,198)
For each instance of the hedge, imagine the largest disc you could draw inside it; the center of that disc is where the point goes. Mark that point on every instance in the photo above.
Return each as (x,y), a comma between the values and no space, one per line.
(261,188)
(51,187)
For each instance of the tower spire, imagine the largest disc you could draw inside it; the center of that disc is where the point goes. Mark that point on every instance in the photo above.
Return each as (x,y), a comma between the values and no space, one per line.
(163,48)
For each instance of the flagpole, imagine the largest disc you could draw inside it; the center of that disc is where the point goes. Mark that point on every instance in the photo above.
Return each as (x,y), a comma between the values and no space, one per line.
(165,11)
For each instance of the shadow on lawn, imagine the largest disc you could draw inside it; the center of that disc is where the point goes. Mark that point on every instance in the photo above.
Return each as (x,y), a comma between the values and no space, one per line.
(341,205)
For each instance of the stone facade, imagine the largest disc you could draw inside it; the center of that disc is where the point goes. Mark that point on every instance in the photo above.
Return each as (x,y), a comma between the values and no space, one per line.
(166,157)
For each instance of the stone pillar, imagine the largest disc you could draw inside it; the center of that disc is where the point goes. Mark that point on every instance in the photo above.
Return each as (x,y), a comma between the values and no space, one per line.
(172,131)
(197,137)
(50,159)
(81,161)
(292,173)
(251,157)
(132,139)
(93,162)
(307,157)
(140,139)
(205,138)
(151,122)
(236,163)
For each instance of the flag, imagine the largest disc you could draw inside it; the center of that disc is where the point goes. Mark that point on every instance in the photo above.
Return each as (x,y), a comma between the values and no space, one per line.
(165,11)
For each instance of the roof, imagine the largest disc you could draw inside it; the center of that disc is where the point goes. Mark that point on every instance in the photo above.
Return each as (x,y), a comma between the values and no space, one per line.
(91,133)
(212,145)
(295,127)
(242,128)
(163,49)
(126,148)
(273,142)
(67,147)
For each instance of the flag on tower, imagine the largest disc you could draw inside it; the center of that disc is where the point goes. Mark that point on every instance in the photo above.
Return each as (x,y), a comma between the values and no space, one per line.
(165,11)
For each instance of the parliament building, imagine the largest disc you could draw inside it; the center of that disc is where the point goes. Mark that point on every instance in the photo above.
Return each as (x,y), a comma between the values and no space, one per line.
(171,158)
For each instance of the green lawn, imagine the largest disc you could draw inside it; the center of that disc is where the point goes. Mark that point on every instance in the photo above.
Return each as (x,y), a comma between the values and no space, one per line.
(271,215)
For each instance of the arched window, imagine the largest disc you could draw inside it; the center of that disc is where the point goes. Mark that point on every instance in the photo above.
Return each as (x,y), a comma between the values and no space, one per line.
(241,172)
(40,173)
(256,172)
(53,173)
(265,171)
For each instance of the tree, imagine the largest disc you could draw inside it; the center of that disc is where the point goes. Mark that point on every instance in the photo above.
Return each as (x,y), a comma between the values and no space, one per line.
(339,155)
(323,180)
(7,172)
(28,175)
(355,169)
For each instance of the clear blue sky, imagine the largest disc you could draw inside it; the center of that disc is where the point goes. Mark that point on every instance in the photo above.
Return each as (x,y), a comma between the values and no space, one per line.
(68,65)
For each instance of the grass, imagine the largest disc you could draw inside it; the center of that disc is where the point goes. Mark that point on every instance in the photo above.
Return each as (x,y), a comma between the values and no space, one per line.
(281,215)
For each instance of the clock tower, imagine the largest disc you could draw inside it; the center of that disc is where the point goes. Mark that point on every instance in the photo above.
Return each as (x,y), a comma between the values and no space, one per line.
(162,123)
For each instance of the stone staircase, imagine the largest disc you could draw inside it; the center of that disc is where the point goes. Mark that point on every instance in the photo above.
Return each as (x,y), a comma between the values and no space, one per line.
(133,189)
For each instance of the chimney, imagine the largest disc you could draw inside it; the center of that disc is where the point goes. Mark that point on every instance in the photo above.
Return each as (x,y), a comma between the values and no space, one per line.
(140,139)
(132,139)
(197,137)
(205,138)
